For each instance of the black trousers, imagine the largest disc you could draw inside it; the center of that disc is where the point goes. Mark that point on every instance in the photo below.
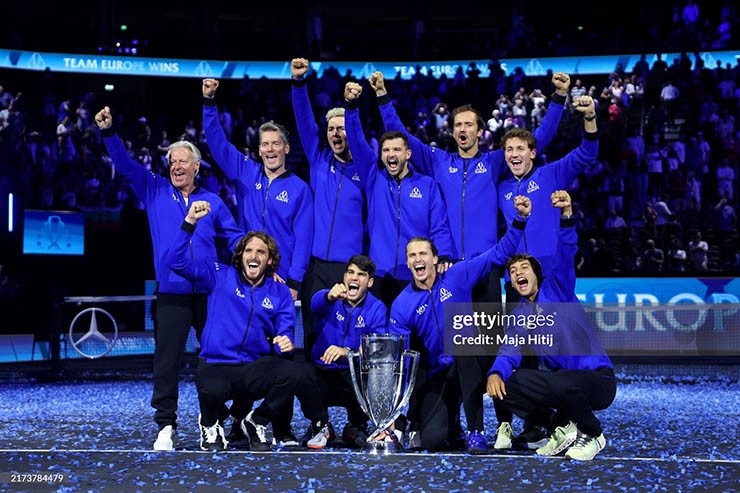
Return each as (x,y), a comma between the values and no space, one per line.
(573,394)
(337,390)
(434,409)
(175,314)
(275,380)
(321,274)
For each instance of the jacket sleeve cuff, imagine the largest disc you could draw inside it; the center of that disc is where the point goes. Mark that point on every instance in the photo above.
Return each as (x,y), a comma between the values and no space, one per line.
(384,99)
(108,132)
(209,101)
(298,82)
(293,284)
(351,104)
(568,222)
(558,99)
(187,227)
(519,222)
(591,135)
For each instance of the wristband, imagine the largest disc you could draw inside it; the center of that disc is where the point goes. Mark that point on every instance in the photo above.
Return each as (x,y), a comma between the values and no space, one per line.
(589,118)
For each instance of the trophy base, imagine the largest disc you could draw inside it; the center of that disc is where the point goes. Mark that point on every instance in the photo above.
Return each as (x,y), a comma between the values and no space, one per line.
(382,447)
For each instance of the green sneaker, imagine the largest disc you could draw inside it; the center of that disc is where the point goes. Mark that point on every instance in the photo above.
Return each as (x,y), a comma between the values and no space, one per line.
(561,439)
(586,447)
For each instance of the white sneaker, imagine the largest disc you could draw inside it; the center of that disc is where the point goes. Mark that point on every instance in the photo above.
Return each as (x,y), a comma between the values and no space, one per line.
(414,441)
(504,435)
(320,435)
(165,441)
(586,447)
(562,438)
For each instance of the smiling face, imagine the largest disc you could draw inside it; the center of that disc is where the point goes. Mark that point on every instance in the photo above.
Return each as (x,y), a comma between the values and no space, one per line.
(273,150)
(183,168)
(466,132)
(357,282)
(524,279)
(519,156)
(337,136)
(395,154)
(255,259)
(422,261)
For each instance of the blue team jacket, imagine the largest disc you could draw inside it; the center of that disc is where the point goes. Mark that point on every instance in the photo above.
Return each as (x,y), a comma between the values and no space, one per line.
(541,234)
(242,319)
(418,314)
(165,209)
(397,210)
(575,343)
(339,324)
(337,189)
(469,184)
(283,208)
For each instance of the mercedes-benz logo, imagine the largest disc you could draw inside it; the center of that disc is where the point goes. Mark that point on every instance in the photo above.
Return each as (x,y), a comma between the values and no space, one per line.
(93,333)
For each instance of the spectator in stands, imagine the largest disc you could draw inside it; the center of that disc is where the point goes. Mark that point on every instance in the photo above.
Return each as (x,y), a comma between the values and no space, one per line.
(698,253)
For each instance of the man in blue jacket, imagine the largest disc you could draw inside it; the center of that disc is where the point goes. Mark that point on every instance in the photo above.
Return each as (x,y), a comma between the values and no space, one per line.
(574,376)
(338,197)
(252,324)
(343,314)
(402,203)
(271,198)
(180,302)
(468,179)
(540,237)
(418,314)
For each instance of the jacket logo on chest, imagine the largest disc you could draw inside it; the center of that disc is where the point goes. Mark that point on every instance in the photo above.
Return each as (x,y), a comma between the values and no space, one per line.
(480,168)
(258,186)
(239,293)
(266,303)
(444,294)
(421,309)
(360,324)
(508,195)
(533,186)
(415,193)
(282,196)
(340,317)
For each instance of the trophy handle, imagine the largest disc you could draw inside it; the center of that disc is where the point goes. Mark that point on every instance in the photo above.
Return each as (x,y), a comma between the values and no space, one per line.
(414,365)
(354,360)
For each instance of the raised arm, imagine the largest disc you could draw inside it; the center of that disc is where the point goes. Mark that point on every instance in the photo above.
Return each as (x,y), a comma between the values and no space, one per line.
(308,130)
(142,180)
(364,157)
(227,156)
(179,257)
(549,126)
(563,269)
(575,162)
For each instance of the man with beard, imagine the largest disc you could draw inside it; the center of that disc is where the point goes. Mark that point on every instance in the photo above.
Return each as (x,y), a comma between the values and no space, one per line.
(574,376)
(253,324)
(401,202)
(343,314)
(180,302)
(418,314)
(338,197)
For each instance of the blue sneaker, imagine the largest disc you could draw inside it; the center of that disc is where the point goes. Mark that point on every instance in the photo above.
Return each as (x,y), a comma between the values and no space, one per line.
(477,443)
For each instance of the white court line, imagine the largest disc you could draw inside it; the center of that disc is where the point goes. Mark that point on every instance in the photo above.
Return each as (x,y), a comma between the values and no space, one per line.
(358,453)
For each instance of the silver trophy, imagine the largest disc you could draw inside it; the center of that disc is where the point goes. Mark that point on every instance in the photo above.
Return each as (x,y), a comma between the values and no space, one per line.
(383,376)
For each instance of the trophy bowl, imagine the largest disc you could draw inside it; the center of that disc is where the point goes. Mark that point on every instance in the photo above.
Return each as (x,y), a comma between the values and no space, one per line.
(383,377)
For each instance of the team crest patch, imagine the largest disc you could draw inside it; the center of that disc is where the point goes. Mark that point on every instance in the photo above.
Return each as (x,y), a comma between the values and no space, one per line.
(533,186)
(266,303)
(360,322)
(481,168)
(282,196)
(415,193)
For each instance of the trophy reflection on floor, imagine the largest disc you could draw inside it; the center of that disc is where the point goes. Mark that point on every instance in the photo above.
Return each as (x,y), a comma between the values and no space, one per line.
(383,376)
